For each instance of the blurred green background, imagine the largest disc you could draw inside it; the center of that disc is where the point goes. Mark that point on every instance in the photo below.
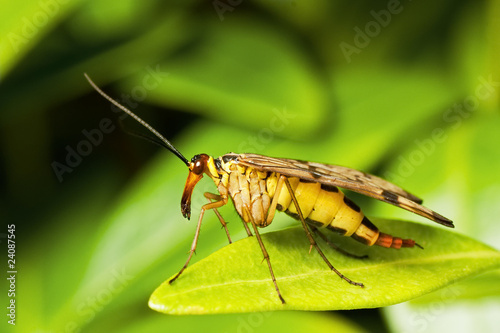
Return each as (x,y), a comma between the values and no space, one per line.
(407,90)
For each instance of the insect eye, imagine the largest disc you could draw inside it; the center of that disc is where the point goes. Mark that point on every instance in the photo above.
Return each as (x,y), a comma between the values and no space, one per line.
(199,162)
(198,167)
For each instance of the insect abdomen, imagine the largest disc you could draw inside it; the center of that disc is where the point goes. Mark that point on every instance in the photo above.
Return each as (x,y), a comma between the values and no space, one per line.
(327,206)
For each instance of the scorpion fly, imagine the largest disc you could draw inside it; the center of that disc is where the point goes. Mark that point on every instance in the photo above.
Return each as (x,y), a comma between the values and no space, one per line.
(309,192)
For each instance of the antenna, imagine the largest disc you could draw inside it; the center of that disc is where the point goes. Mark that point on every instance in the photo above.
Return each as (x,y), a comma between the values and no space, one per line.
(166,143)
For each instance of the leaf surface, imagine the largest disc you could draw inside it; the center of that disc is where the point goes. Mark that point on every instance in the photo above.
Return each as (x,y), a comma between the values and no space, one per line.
(235,278)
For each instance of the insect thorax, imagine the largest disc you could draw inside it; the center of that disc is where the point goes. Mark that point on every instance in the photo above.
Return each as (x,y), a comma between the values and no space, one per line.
(250,189)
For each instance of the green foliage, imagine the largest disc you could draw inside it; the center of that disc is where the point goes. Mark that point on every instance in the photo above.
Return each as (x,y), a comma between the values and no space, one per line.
(264,77)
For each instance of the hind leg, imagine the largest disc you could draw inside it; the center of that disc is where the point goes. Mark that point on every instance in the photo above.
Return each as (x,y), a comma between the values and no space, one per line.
(311,238)
(334,246)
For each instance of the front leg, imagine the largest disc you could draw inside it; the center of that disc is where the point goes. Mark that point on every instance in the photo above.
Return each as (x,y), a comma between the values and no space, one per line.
(212,205)
(266,255)
(213,196)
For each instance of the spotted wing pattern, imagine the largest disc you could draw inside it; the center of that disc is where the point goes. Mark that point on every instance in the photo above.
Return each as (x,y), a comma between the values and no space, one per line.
(347,178)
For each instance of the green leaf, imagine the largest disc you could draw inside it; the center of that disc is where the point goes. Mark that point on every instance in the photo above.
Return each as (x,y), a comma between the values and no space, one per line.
(476,288)
(235,278)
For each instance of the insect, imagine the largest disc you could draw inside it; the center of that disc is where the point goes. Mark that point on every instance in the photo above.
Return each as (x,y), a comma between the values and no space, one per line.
(260,185)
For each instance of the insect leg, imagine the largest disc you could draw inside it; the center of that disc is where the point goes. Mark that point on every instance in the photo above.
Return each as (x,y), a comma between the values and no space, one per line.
(272,208)
(212,205)
(213,196)
(266,256)
(249,233)
(311,238)
(334,246)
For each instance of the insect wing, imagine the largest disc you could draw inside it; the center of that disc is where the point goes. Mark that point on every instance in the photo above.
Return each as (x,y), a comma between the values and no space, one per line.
(347,178)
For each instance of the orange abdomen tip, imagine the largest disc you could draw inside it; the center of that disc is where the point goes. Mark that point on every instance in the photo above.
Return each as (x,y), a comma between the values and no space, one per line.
(386,240)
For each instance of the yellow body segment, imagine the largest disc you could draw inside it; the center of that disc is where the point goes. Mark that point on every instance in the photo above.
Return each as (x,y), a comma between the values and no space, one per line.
(306,194)
(366,234)
(347,219)
(284,197)
(326,207)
